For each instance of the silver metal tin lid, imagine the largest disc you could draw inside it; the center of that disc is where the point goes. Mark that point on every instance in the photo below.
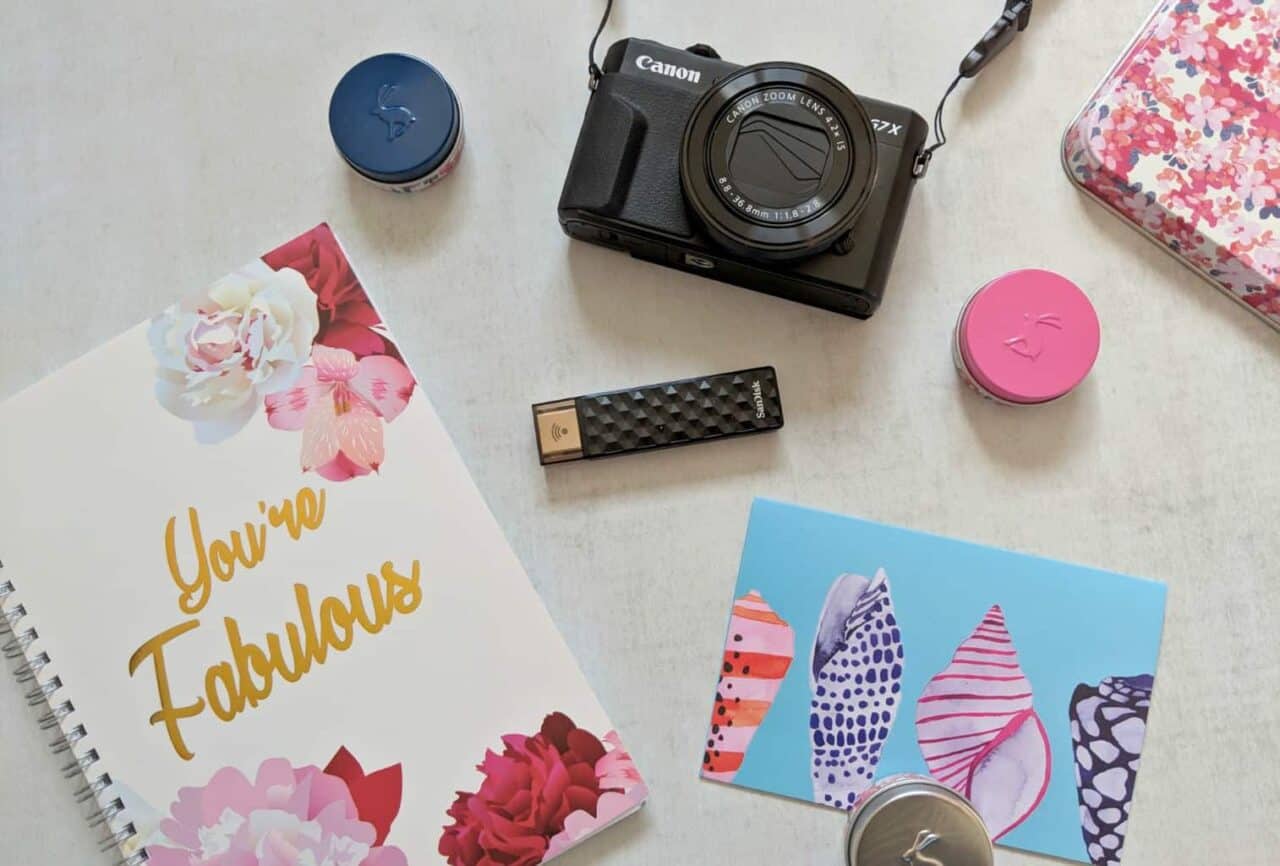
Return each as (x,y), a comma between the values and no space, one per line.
(917,822)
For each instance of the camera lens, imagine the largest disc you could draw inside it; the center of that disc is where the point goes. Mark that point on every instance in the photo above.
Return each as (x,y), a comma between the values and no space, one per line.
(778,160)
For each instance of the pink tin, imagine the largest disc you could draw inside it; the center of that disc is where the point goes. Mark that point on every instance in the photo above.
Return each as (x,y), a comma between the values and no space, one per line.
(1182,140)
(1028,337)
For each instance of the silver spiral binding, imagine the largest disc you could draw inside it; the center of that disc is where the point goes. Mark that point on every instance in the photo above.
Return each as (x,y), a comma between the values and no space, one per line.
(103,815)
(56,715)
(30,672)
(68,741)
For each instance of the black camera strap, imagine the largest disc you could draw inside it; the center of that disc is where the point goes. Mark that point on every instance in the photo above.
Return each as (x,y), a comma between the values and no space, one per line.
(1014,19)
(593,68)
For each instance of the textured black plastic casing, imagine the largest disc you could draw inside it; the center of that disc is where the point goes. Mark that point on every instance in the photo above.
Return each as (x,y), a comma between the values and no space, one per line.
(623,187)
(679,413)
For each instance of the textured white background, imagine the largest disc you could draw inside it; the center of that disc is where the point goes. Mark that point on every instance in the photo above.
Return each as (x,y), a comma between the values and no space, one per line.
(149,147)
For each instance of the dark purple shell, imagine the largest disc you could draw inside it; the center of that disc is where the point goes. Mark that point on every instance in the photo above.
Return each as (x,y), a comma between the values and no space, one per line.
(1108,725)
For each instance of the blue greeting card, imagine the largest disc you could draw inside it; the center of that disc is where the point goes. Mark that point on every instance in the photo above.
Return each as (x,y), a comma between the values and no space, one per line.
(856,651)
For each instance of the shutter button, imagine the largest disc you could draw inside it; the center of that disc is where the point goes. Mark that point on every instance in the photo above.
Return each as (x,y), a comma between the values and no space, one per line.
(703,50)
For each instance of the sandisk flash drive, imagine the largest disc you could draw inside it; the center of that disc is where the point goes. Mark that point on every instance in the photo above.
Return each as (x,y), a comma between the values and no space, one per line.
(658,416)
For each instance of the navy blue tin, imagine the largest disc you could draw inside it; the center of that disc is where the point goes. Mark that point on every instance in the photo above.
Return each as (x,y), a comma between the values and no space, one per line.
(397,122)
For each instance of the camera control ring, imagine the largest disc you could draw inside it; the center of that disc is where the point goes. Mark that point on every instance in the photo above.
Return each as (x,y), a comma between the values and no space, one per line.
(778,160)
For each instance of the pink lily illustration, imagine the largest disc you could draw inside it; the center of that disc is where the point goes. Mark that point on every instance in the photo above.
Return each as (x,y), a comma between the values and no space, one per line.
(339,403)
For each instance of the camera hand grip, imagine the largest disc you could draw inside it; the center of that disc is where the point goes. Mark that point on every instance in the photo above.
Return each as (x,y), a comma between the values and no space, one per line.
(605,158)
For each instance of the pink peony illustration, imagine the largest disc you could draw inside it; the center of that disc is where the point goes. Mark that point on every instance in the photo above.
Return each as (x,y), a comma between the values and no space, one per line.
(221,350)
(541,796)
(286,816)
(340,403)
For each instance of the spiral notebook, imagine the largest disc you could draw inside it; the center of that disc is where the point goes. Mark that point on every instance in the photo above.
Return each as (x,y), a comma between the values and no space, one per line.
(272,618)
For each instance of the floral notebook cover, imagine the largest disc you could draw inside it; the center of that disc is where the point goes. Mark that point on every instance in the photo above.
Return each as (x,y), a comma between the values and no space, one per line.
(857,651)
(1182,140)
(273,618)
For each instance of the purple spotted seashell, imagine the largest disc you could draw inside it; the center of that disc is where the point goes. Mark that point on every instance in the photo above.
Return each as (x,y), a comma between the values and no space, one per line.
(978,729)
(1108,725)
(854,678)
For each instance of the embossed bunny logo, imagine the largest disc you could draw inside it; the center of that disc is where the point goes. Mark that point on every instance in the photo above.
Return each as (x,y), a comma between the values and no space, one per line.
(1030,343)
(913,856)
(396,117)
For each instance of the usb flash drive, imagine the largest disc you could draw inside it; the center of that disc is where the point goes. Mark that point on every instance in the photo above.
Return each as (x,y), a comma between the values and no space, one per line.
(658,416)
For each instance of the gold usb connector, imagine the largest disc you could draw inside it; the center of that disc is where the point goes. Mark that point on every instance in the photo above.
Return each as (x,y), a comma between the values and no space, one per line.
(559,436)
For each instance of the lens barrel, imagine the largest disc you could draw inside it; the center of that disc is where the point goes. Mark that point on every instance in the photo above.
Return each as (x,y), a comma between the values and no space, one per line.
(778,160)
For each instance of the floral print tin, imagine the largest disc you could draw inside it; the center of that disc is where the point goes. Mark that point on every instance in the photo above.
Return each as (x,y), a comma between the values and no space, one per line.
(1182,139)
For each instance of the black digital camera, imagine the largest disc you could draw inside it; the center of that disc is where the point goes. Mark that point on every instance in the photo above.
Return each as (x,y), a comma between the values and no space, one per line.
(775,177)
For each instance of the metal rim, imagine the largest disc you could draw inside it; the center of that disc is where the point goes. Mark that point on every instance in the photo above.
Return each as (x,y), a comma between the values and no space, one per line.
(843,191)
(416,68)
(859,821)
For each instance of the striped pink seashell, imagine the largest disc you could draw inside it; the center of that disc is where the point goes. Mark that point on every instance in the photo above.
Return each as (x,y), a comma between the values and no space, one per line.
(979,732)
(757,654)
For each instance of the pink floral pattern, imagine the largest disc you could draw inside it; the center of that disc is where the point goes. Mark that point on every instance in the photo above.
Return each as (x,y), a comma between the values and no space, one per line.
(623,789)
(339,404)
(541,796)
(348,319)
(295,332)
(285,816)
(1184,140)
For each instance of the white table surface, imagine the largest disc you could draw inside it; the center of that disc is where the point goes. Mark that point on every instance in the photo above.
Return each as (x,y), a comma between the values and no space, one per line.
(148,147)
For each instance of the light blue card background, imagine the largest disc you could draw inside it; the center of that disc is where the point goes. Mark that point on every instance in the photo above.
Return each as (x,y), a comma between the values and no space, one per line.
(1070,624)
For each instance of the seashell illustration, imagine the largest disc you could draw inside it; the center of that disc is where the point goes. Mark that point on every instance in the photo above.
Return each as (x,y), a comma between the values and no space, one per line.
(757,654)
(1108,725)
(854,677)
(979,732)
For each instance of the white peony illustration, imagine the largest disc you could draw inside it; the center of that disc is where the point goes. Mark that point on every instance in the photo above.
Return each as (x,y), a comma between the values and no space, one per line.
(222,350)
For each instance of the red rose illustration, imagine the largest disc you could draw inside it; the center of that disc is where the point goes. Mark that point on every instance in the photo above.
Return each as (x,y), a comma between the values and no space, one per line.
(347,318)
(528,792)
(377,795)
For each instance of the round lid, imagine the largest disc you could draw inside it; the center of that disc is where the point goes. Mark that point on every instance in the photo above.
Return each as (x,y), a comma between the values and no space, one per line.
(919,823)
(1029,336)
(394,118)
